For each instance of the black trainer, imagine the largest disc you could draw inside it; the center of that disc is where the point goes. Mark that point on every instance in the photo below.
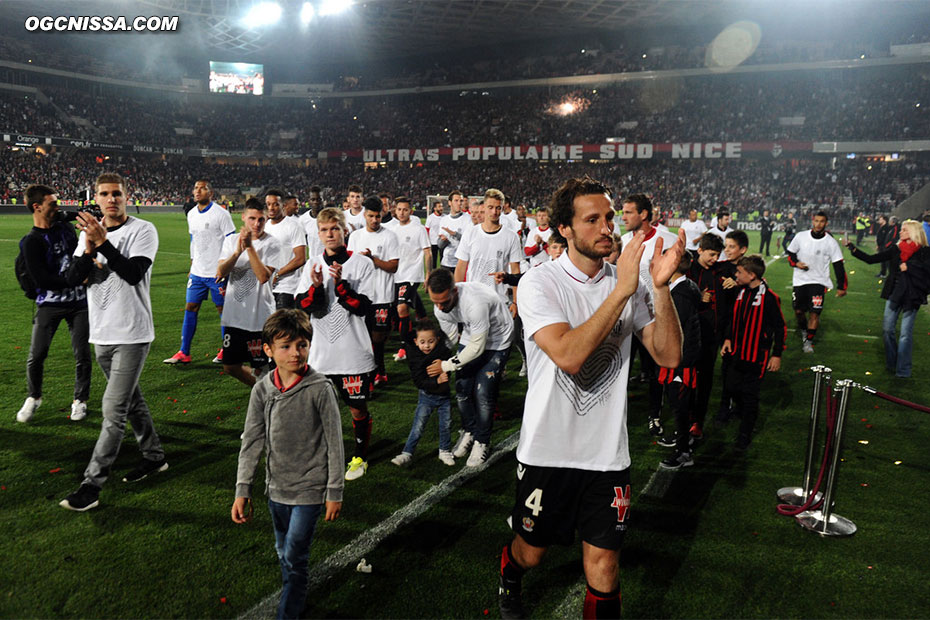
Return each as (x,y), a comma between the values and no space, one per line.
(655,427)
(681,459)
(667,442)
(147,467)
(83,499)
(510,600)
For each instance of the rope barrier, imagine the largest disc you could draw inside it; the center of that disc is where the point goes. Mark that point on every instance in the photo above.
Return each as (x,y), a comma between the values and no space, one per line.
(789,510)
(893,399)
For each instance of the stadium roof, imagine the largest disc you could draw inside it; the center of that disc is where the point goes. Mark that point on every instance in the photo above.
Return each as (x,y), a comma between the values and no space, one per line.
(379,29)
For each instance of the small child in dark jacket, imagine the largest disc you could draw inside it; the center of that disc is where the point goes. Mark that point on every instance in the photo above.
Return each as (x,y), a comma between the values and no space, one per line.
(425,345)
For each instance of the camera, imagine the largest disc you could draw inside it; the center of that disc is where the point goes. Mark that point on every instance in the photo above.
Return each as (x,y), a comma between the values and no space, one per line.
(70,216)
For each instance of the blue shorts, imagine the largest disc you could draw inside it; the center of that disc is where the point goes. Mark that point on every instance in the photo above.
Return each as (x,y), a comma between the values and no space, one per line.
(197,288)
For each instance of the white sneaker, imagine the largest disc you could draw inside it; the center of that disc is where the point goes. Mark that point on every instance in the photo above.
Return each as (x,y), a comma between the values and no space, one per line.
(479,454)
(523,369)
(463,445)
(357,468)
(28,409)
(403,459)
(78,410)
(807,347)
(446,457)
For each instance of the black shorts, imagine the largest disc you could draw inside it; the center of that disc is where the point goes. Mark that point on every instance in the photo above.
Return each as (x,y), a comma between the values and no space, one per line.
(379,319)
(353,389)
(406,292)
(243,347)
(808,298)
(552,502)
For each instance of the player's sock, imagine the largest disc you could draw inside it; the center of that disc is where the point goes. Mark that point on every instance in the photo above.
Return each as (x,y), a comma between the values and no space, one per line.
(810,334)
(403,327)
(362,430)
(601,604)
(187,331)
(378,349)
(802,323)
(511,572)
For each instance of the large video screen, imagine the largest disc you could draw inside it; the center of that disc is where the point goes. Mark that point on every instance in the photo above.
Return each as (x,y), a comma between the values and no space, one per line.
(237,77)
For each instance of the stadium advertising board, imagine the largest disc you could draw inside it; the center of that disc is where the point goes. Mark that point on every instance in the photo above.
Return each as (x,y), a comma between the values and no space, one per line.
(239,78)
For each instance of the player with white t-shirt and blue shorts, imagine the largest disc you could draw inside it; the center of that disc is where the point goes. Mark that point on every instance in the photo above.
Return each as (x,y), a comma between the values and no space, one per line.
(810,253)
(579,315)
(208,224)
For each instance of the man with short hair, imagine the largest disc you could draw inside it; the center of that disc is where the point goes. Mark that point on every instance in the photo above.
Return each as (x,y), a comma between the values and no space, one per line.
(249,260)
(537,240)
(47,251)
(294,241)
(308,223)
(487,333)
(693,228)
(433,228)
(810,253)
(208,225)
(573,471)
(291,206)
(766,226)
(721,228)
(387,207)
(355,216)
(115,257)
(453,227)
(381,246)
(335,290)
(414,264)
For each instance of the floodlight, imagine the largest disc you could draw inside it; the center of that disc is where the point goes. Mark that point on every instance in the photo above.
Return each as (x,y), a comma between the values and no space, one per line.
(567,108)
(334,7)
(307,13)
(262,14)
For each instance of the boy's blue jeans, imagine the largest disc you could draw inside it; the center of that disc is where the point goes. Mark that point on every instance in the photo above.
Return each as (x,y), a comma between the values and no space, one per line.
(293,533)
(476,388)
(425,405)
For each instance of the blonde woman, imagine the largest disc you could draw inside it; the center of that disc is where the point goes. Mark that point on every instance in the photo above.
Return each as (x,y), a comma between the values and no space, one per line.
(904,291)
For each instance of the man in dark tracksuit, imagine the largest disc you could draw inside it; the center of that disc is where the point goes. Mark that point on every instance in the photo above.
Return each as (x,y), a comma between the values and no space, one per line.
(767,226)
(755,340)
(47,251)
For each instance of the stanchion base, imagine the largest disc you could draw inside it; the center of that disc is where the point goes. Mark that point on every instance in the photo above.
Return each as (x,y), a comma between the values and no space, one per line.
(794,496)
(838,526)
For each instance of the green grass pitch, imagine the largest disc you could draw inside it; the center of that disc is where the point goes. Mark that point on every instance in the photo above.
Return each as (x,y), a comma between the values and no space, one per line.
(709,545)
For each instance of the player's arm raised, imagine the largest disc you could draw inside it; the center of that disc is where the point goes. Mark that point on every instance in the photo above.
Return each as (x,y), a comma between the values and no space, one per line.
(662,338)
(570,348)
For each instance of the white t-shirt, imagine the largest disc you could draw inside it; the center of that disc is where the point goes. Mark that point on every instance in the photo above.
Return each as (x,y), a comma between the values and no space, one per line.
(412,240)
(208,228)
(510,219)
(248,302)
(819,254)
(460,224)
(487,253)
(355,221)
(693,231)
(432,226)
(479,310)
(541,256)
(120,313)
(291,235)
(650,244)
(383,246)
(314,245)
(715,230)
(341,344)
(577,421)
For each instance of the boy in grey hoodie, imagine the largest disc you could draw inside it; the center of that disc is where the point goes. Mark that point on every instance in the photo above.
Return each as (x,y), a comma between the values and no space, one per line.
(293,414)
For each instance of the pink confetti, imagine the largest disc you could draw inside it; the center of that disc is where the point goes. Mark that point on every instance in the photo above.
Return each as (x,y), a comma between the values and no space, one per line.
(869,567)
(223,600)
(864,484)
(54,471)
(864,419)
(217,417)
(185,411)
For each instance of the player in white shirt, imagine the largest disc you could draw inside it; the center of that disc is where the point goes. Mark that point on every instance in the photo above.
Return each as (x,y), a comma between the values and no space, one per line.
(509,216)
(308,222)
(415,261)
(537,240)
(573,471)
(380,245)
(452,227)
(355,215)
(116,256)
(487,333)
(249,261)
(433,228)
(637,217)
(720,226)
(693,228)
(208,224)
(292,237)
(336,290)
(810,253)
(488,248)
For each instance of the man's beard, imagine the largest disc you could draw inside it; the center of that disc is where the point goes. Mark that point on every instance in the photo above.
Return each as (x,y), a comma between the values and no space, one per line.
(591,251)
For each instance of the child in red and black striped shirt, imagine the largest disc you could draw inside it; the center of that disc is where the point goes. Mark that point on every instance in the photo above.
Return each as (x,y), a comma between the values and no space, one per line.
(755,341)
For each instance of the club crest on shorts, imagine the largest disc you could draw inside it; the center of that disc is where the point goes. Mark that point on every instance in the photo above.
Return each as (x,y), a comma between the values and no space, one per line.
(352,385)
(528,524)
(621,502)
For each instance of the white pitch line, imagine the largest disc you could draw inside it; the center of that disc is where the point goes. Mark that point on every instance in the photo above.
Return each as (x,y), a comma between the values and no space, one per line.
(368,540)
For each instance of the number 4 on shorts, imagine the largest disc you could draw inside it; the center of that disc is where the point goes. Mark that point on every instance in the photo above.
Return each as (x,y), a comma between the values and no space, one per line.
(534,502)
